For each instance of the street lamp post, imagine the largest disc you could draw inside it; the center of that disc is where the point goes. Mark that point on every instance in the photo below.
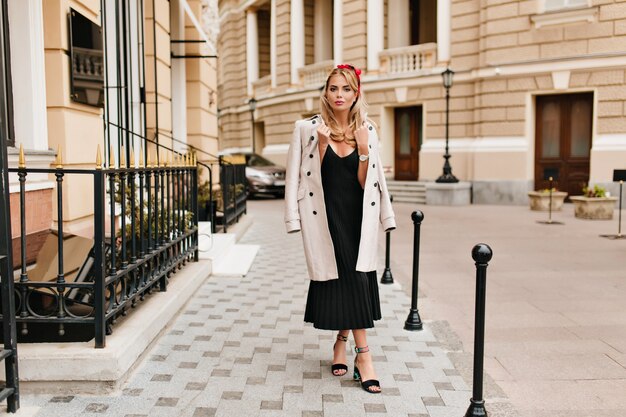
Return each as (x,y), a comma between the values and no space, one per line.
(447,169)
(252,103)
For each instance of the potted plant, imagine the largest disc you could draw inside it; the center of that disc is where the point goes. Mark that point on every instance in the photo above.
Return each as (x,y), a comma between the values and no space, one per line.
(540,200)
(595,204)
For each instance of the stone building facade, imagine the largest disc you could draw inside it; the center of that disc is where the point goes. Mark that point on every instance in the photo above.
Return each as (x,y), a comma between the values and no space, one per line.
(539,86)
(66,57)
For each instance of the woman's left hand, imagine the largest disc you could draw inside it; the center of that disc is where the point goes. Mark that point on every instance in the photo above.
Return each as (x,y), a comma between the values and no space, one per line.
(361,135)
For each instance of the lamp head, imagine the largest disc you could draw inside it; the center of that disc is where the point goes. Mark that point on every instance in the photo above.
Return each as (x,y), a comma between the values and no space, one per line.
(447,77)
(252,104)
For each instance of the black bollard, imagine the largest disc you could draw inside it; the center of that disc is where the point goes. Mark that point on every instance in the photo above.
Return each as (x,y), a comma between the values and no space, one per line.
(413,321)
(387,278)
(481,254)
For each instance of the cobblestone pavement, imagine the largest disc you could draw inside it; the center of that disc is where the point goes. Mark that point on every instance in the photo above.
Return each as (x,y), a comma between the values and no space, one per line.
(240,348)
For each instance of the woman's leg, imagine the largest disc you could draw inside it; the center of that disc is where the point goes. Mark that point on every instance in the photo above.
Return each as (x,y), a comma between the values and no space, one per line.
(364,360)
(339,352)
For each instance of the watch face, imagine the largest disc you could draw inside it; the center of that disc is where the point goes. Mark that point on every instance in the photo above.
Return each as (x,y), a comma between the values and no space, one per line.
(363,158)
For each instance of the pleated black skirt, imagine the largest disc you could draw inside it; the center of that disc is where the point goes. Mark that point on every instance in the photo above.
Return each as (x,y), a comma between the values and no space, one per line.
(352,300)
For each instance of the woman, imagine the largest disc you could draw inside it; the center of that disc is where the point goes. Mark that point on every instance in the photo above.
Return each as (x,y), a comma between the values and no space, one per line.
(336,193)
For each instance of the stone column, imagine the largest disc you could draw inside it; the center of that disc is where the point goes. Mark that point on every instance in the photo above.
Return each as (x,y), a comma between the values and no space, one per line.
(273,42)
(375,33)
(179,96)
(443,30)
(338,31)
(297,39)
(28,74)
(252,48)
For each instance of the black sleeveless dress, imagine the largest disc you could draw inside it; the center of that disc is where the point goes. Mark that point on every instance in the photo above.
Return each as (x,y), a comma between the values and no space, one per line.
(352,300)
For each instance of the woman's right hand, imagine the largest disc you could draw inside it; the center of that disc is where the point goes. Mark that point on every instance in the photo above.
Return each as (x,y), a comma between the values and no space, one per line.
(323,134)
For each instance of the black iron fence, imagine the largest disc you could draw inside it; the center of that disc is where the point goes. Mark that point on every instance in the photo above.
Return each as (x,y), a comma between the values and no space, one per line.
(223,205)
(144,230)
(233,185)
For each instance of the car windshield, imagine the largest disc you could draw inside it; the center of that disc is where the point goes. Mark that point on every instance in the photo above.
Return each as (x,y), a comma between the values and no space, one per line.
(254,160)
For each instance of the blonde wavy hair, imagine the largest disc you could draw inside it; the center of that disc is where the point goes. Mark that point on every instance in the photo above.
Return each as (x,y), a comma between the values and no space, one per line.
(356,117)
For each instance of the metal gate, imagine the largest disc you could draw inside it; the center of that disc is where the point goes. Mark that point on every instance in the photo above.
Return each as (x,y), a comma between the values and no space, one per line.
(8,354)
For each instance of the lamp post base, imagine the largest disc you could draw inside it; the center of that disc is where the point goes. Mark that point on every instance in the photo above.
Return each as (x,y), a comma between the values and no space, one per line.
(387,278)
(413,321)
(447,178)
(476,409)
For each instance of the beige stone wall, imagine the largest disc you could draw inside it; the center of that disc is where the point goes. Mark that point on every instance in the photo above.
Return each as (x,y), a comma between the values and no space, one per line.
(232,87)
(355,32)
(78,129)
(158,60)
(508,33)
(201,92)
(283,29)
(466,33)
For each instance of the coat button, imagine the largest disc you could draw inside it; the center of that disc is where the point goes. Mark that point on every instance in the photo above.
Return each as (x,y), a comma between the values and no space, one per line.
(375,184)
(370,146)
(311,194)
(313,121)
(371,128)
(373,165)
(311,155)
(373,203)
(308,174)
(314,212)
(312,138)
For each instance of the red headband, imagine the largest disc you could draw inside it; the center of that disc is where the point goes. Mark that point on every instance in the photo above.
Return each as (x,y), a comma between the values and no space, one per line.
(357,72)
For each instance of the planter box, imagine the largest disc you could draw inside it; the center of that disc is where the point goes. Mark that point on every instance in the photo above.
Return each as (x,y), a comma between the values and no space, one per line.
(540,201)
(593,208)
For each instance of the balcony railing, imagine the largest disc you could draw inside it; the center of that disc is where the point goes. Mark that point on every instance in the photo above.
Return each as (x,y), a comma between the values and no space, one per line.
(88,64)
(408,59)
(150,214)
(314,75)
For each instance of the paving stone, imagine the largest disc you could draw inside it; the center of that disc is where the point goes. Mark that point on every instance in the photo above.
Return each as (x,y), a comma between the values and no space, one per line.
(204,412)
(96,408)
(375,408)
(166,402)
(62,399)
(312,414)
(271,405)
(232,395)
(161,378)
(195,386)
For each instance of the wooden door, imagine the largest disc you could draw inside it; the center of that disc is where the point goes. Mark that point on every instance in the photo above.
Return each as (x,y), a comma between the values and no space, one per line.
(408,134)
(563,140)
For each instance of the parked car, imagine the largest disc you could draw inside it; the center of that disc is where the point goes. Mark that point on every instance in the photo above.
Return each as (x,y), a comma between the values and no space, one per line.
(264,177)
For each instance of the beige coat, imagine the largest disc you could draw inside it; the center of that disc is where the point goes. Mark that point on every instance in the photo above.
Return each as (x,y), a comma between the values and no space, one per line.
(305,209)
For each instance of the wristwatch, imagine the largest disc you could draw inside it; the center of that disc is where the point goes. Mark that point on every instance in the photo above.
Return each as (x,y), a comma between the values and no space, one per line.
(364,158)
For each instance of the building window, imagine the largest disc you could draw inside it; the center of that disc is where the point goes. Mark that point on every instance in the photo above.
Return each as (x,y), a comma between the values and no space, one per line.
(263,16)
(552,5)
(423,15)
(87,74)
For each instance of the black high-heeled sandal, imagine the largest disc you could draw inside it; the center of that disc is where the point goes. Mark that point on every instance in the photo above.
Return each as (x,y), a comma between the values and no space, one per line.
(366,385)
(339,366)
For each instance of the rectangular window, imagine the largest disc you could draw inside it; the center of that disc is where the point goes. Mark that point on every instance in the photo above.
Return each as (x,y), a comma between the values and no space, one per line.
(551,5)
(87,72)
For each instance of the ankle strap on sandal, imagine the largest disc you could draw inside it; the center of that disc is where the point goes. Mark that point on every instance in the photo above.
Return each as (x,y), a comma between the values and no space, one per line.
(342,338)
(362,349)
